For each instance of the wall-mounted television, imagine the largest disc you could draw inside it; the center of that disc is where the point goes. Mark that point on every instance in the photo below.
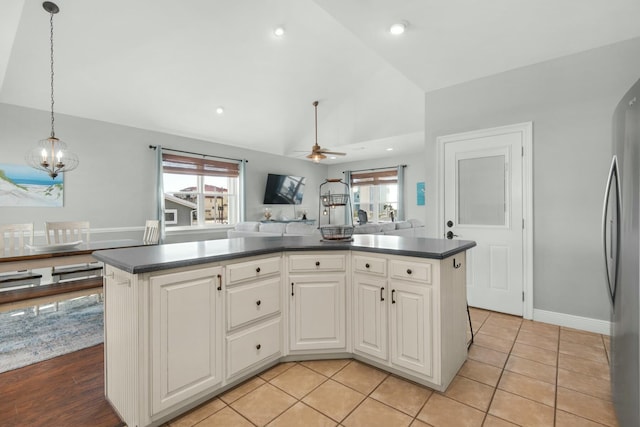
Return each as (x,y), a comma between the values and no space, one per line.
(284,190)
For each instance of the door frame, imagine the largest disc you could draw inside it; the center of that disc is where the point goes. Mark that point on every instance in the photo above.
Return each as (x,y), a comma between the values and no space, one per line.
(526,129)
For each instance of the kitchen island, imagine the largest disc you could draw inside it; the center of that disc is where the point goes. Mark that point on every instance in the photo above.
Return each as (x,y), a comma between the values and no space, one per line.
(186,321)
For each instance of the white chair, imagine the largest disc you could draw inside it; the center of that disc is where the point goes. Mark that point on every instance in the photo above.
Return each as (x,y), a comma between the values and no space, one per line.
(67,231)
(14,236)
(151,232)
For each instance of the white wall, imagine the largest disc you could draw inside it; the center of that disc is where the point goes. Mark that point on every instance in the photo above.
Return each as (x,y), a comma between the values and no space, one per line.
(114,185)
(413,173)
(570,102)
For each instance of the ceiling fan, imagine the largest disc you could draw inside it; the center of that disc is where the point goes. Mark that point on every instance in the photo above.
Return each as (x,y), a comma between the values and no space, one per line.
(317,152)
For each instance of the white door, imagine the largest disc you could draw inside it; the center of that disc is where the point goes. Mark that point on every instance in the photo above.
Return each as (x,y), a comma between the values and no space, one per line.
(483,201)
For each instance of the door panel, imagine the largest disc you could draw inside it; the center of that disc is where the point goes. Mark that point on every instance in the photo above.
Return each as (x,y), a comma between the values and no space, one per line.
(483,188)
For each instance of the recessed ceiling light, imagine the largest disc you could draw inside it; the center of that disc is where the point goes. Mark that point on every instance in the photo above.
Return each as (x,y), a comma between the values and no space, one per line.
(332,157)
(220,110)
(398,28)
(278,32)
(390,149)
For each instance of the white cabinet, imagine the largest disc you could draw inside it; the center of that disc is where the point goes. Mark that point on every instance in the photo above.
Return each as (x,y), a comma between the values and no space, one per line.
(253,313)
(399,321)
(411,327)
(178,336)
(370,316)
(317,301)
(186,344)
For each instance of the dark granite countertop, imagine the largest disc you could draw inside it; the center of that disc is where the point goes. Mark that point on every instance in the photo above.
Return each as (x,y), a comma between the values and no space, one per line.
(162,257)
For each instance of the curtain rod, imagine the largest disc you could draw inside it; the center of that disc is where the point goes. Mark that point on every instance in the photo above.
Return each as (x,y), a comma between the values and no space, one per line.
(153,147)
(376,169)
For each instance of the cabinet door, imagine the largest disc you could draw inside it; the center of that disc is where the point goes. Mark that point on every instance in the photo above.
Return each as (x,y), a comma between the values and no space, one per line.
(186,337)
(412,327)
(317,312)
(370,312)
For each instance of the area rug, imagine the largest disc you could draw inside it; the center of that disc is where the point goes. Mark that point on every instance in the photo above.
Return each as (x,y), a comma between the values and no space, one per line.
(27,337)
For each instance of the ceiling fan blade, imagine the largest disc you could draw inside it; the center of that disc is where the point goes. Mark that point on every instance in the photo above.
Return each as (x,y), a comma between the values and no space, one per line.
(334,153)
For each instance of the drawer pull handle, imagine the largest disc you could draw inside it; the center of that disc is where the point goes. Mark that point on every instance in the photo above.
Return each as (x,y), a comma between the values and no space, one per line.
(258,270)
(258,347)
(291,288)
(408,271)
(381,294)
(258,302)
(317,263)
(458,265)
(393,295)
(367,265)
(219,282)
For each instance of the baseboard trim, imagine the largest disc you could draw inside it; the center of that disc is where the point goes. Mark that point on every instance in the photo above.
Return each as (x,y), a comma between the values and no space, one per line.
(570,321)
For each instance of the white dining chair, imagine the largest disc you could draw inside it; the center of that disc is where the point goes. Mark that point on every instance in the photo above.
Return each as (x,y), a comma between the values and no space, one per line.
(151,232)
(67,231)
(15,236)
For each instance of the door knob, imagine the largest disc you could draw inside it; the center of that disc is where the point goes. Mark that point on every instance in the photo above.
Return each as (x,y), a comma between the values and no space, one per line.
(450,235)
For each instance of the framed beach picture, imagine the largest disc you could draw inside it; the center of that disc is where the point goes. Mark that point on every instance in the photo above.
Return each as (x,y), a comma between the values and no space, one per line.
(22,186)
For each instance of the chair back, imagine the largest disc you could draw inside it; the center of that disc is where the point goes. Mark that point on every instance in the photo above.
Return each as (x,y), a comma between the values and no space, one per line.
(362,217)
(15,236)
(67,231)
(151,232)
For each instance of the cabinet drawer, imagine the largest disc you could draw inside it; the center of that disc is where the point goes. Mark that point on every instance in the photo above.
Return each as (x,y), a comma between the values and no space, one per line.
(370,265)
(243,271)
(410,271)
(324,262)
(252,346)
(251,302)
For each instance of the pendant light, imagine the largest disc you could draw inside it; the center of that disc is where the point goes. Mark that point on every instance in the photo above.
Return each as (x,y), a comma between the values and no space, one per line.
(51,155)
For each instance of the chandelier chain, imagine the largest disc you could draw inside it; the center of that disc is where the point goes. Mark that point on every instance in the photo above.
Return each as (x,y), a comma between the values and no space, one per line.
(53,133)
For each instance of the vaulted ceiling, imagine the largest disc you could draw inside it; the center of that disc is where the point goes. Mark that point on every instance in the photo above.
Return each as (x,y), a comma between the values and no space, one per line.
(167,65)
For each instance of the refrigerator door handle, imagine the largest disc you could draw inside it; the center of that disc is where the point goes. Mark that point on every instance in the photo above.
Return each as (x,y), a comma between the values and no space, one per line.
(613,178)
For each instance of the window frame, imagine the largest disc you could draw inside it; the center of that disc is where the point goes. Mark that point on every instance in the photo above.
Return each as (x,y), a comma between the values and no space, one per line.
(201,168)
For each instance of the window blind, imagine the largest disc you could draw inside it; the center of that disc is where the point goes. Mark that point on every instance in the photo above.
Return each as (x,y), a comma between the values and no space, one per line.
(185,165)
(374,177)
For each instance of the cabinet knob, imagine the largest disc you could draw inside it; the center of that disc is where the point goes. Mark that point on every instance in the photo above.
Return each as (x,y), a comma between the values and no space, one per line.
(317,263)
(367,265)
(258,270)
(258,302)
(258,347)
(408,271)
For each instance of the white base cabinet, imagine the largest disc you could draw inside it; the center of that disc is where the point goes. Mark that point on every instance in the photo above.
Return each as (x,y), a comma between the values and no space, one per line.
(410,315)
(186,349)
(316,293)
(175,338)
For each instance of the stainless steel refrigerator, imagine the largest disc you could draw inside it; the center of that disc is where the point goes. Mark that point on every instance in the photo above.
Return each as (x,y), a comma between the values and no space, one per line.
(621,216)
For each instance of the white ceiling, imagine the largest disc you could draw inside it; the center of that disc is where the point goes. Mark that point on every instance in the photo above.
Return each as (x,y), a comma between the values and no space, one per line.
(166,65)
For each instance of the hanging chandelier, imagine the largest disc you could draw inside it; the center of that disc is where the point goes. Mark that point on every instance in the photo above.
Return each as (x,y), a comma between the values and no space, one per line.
(51,155)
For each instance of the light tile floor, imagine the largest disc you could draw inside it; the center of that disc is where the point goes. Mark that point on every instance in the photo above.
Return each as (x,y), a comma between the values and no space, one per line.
(518,373)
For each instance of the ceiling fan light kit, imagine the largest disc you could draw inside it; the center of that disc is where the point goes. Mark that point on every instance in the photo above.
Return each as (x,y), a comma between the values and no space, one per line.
(317,152)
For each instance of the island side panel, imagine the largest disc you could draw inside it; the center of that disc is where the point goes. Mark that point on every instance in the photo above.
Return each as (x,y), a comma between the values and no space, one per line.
(453,289)
(121,343)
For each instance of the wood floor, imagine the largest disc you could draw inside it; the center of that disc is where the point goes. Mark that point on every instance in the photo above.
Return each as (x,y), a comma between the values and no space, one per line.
(64,391)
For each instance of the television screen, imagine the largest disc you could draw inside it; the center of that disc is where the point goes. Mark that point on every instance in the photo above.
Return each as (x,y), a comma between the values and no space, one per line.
(284,190)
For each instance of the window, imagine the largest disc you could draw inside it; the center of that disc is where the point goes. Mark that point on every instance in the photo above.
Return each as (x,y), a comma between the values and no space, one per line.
(376,193)
(200,192)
